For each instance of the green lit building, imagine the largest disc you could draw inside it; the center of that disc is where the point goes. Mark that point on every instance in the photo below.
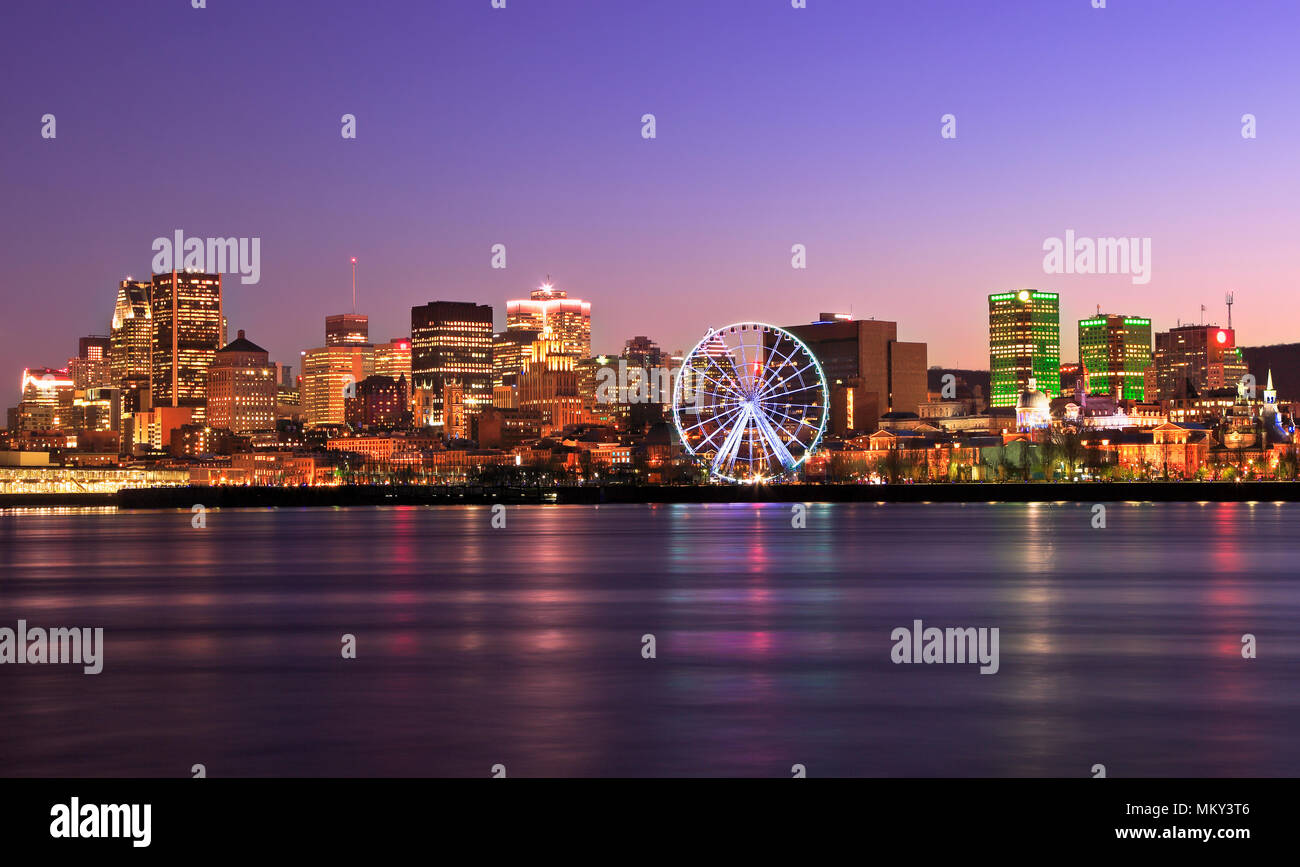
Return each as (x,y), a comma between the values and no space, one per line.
(1115,352)
(1024,344)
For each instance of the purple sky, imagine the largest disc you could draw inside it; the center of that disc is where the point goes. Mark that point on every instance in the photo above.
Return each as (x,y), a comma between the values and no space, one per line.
(775,126)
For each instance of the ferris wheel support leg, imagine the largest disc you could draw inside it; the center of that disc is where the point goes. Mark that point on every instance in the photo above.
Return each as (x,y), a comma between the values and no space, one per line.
(774,441)
(726,456)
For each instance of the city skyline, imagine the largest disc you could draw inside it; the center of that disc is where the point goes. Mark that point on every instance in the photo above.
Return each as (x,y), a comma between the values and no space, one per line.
(1061,358)
(689,230)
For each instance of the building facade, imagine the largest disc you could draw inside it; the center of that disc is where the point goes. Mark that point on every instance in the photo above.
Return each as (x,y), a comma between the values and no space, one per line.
(185,308)
(510,350)
(131,337)
(347,329)
(1024,344)
(1192,359)
(241,388)
(393,359)
(549,387)
(551,310)
(450,341)
(1115,352)
(329,376)
(379,402)
(869,371)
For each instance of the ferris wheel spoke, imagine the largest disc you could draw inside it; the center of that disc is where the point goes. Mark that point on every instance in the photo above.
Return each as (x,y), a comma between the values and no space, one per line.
(708,441)
(776,396)
(726,456)
(769,455)
(797,423)
(770,435)
(798,373)
(719,418)
(731,386)
(763,386)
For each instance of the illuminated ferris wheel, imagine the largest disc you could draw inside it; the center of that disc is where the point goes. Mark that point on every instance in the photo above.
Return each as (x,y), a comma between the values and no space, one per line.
(750,400)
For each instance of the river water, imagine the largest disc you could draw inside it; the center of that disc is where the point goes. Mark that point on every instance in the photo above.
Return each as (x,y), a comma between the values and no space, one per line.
(481,645)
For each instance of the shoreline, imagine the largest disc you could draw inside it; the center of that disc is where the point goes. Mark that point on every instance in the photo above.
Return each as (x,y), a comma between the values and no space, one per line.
(416,495)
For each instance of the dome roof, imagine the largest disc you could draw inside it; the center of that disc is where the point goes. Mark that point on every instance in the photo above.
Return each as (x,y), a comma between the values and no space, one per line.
(1033,401)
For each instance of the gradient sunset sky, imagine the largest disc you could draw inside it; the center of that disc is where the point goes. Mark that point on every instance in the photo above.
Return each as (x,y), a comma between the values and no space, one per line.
(776,126)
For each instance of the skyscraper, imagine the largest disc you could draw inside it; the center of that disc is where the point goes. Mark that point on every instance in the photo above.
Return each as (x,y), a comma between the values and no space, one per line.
(1192,358)
(47,396)
(641,351)
(1024,344)
(393,359)
(92,368)
(869,371)
(241,388)
(450,341)
(549,386)
(187,321)
(131,341)
(510,350)
(329,376)
(1115,352)
(347,329)
(559,317)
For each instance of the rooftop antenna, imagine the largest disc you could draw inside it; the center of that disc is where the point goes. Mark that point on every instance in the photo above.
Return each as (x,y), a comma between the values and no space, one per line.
(1228,300)
(354,284)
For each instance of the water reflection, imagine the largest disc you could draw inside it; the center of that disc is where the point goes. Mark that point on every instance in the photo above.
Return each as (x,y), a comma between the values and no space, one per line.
(523,644)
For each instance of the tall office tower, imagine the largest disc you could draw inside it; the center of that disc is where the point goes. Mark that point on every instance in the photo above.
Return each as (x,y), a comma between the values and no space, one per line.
(186,314)
(47,397)
(869,371)
(1192,358)
(647,376)
(96,409)
(510,349)
(549,386)
(329,376)
(1115,352)
(602,405)
(92,368)
(131,338)
(1024,344)
(347,329)
(641,351)
(450,340)
(548,309)
(241,388)
(393,359)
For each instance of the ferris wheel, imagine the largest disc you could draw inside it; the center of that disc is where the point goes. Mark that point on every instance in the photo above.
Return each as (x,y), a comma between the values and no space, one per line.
(751,401)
